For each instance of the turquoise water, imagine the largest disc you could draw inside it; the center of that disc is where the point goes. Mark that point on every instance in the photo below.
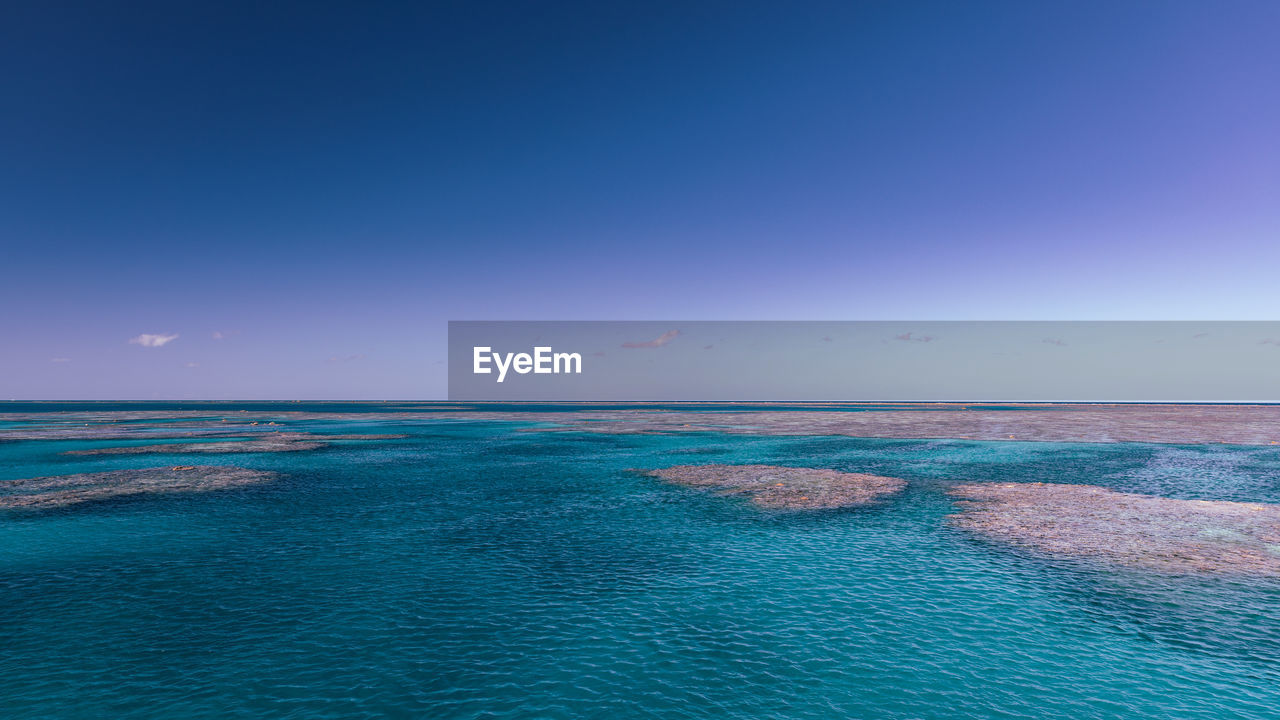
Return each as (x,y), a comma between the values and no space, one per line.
(472,570)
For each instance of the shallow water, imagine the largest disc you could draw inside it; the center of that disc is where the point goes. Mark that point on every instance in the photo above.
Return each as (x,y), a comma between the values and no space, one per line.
(475,570)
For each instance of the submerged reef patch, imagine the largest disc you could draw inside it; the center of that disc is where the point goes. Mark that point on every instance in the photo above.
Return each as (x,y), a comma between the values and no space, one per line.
(789,488)
(1139,531)
(269,442)
(47,493)
(1173,424)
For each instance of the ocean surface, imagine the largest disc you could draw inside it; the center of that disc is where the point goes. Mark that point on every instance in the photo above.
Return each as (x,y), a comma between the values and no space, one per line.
(475,569)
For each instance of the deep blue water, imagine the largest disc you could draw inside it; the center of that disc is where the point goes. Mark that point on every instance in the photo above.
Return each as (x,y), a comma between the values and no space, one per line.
(472,570)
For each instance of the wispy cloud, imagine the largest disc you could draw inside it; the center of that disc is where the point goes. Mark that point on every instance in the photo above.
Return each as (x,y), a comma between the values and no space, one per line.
(59,360)
(827,338)
(1197,336)
(346,358)
(909,337)
(1053,341)
(224,334)
(659,341)
(1270,341)
(192,365)
(149,340)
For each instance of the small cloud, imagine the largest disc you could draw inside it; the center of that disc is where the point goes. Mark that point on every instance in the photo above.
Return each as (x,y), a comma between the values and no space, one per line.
(1270,341)
(908,337)
(1053,341)
(659,341)
(191,365)
(346,358)
(707,347)
(149,340)
(826,338)
(59,360)
(1197,336)
(224,334)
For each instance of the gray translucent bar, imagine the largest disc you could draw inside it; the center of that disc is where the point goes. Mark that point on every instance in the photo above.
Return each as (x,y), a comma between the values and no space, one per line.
(704,360)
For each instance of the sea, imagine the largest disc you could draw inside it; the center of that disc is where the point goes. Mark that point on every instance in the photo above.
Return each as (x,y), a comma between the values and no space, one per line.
(482,568)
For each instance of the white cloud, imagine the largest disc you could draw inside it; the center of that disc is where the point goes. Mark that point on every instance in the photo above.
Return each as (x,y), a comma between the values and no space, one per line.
(148,340)
(192,365)
(659,341)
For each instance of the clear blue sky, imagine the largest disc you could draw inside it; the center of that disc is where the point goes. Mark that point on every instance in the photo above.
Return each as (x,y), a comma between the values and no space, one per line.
(324,185)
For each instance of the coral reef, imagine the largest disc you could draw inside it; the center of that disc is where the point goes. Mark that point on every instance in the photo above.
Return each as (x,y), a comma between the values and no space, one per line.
(1142,531)
(46,493)
(268,442)
(789,488)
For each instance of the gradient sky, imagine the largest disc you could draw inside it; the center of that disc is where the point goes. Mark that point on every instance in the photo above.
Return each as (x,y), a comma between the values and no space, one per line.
(324,185)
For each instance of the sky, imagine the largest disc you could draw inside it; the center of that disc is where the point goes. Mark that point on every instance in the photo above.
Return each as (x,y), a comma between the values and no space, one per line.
(291,200)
